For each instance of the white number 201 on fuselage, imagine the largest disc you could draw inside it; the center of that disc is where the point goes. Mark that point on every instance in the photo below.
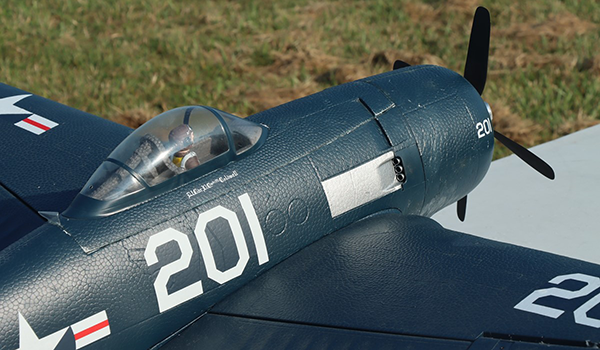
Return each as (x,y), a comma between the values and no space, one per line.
(168,300)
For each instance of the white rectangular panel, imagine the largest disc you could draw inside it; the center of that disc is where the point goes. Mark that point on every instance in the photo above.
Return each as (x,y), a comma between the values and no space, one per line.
(360,185)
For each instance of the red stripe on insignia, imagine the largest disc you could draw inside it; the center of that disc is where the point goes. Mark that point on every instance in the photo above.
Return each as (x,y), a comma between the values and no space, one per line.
(91,330)
(36,124)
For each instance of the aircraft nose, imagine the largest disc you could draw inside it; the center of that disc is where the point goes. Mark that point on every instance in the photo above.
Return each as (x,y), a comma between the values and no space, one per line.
(441,113)
(457,153)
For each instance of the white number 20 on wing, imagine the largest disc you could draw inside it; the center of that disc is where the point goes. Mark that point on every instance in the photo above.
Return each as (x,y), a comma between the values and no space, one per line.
(167,301)
(591,284)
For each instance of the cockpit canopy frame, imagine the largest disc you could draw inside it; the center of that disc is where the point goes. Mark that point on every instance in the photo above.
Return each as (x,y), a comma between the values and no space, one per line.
(169,150)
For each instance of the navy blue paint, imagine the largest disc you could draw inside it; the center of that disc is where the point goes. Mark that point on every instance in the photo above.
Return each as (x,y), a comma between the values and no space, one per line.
(408,275)
(484,343)
(48,170)
(213,331)
(16,220)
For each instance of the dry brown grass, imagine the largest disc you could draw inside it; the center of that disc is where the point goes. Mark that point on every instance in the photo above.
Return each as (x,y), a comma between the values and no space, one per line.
(269,98)
(135,117)
(582,121)
(129,61)
(523,131)
(563,25)
(388,57)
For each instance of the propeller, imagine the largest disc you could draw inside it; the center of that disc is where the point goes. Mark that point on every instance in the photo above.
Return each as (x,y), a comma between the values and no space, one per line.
(475,73)
(476,68)
(461,208)
(400,64)
(479,46)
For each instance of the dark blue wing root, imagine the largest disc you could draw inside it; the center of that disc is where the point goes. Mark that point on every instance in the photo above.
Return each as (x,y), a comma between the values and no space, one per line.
(47,170)
(16,219)
(398,281)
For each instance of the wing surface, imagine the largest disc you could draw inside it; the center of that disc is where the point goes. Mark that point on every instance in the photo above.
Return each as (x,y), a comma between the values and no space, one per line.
(393,281)
(47,153)
(49,150)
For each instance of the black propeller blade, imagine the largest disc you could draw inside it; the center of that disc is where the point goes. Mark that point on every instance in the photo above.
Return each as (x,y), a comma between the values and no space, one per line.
(476,69)
(400,64)
(526,155)
(476,73)
(479,47)
(461,208)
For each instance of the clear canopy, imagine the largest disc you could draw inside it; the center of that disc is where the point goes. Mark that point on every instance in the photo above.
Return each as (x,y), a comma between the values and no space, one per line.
(170,144)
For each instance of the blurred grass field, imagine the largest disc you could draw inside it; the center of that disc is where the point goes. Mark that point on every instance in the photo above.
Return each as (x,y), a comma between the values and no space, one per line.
(130,60)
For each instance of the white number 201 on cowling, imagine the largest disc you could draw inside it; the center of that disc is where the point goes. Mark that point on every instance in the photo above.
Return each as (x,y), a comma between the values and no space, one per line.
(580,314)
(167,301)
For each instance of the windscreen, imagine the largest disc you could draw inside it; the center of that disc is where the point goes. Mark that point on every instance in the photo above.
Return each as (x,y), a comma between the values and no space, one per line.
(245,134)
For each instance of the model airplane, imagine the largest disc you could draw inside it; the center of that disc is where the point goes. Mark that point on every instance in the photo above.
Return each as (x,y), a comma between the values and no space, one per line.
(301,226)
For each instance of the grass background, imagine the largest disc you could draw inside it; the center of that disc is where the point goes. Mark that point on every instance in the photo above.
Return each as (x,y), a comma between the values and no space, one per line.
(130,60)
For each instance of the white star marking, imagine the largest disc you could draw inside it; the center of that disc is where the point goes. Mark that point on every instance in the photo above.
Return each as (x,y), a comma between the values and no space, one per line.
(7,105)
(28,340)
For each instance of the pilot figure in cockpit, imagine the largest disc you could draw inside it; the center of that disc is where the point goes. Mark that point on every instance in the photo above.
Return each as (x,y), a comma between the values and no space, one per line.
(182,138)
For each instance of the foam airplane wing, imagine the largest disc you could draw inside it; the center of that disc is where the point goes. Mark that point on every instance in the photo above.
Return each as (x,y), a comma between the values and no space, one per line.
(405,282)
(48,152)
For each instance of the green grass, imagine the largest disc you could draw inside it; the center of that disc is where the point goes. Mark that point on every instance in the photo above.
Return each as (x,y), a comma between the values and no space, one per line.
(118,59)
